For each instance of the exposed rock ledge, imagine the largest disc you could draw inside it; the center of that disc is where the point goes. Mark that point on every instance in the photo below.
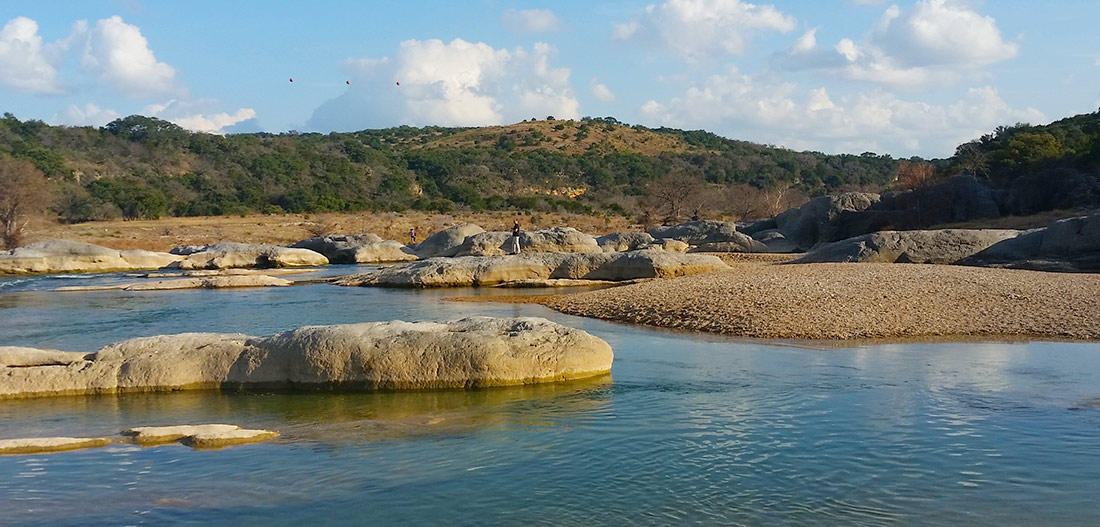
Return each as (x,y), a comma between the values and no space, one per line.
(195,436)
(489,270)
(212,282)
(63,256)
(471,352)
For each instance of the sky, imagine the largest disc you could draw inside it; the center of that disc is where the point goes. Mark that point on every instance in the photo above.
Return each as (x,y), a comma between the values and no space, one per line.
(906,78)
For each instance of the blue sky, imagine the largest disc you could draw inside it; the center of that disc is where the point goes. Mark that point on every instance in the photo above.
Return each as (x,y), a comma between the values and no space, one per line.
(907,78)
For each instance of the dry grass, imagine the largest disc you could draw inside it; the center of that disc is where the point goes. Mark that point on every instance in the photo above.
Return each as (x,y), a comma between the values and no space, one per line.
(164,234)
(621,138)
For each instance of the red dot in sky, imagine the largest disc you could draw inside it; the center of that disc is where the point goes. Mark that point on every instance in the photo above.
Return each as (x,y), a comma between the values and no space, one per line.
(292,79)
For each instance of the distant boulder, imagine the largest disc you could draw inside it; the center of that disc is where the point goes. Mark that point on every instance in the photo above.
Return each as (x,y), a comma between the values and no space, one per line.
(814,222)
(1071,244)
(490,270)
(227,255)
(445,240)
(357,248)
(624,241)
(709,236)
(64,256)
(553,240)
(945,246)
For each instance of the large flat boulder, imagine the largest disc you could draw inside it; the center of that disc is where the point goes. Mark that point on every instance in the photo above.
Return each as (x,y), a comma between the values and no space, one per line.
(553,240)
(229,255)
(64,256)
(357,248)
(709,236)
(491,270)
(472,352)
(1071,244)
(446,240)
(945,246)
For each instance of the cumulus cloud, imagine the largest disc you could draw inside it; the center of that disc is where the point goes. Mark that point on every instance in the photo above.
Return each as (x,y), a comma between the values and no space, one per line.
(700,29)
(450,84)
(89,115)
(936,39)
(26,64)
(530,20)
(200,115)
(119,54)
(601,91)
(767,110)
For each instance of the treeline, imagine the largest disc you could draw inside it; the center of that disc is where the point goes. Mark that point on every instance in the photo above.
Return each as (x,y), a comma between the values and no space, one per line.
(142,167)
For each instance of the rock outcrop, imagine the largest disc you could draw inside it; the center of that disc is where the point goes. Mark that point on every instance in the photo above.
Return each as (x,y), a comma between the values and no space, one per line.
(553,240)
(227,255)
(946,246)
(41,445)
(624,241)
(357,248)
(486,270)
(1071,244)
(63,256)
(195,436)
(814,222)
(709,236)
(446,240)
(471,352)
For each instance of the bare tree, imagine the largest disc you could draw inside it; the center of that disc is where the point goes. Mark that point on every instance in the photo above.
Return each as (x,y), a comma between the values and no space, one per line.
(676,195)
(22,194)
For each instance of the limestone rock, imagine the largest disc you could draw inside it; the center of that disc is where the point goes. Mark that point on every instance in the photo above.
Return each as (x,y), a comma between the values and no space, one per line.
(158,435)
(624,241)
(63,256)
(709,236)
(212,282)
(486,270)
(226,255)
(813,222)
(553,240)
(668,244)
(360,248)
(446,240)
(477,351)
(1071,244)
(775,241)
(15,356)
(36,445)
(945,246)
(230,438)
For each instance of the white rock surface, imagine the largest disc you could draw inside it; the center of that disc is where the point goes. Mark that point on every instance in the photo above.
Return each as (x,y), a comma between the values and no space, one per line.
(63,256)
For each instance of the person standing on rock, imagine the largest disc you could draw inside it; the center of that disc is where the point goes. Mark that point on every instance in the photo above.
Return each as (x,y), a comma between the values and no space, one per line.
(515,237)
(412,234)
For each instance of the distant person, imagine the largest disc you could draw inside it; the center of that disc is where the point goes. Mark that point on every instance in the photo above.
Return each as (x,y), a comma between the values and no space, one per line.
(412,234)
(515,237)
(695,216)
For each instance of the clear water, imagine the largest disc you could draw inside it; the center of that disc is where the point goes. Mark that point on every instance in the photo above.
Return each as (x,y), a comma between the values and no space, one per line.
(688,429)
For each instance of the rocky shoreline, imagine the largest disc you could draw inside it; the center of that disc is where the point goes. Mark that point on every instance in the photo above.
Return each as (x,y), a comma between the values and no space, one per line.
(855,301)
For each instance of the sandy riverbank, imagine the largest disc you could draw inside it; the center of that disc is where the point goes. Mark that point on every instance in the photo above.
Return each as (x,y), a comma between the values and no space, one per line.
(855,301)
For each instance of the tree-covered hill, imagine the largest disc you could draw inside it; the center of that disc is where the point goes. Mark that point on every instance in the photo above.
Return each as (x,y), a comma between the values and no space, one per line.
(140,167)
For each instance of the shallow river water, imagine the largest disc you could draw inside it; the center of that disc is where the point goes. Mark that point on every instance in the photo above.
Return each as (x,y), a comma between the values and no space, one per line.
(687,429)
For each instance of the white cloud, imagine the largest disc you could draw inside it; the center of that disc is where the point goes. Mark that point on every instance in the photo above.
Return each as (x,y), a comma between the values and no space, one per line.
(766,110)
(941,33)
(454,84)
(530,20)
(701,29)
(89,115)
(601,91)
(26,63)
(200,115)
(937,40)
(119,54)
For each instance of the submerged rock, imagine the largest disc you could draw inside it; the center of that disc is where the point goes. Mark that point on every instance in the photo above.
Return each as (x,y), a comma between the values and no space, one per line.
(213,282)
(37,445)
(486,270)
(198,436)
(63,256)
(477,351)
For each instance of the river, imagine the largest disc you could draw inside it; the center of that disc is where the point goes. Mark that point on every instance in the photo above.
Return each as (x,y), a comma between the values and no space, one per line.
(687,429)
